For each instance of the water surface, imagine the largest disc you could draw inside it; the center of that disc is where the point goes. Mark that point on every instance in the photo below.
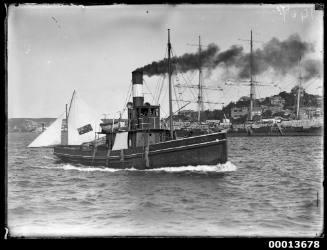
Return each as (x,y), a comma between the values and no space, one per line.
(268,187)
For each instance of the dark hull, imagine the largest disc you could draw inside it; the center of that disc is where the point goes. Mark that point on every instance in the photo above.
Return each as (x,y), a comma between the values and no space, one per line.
(274,131)
(181,133)
(263,131)
(208,149)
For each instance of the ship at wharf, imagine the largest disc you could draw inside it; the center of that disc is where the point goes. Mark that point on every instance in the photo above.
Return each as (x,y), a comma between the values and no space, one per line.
(273,126)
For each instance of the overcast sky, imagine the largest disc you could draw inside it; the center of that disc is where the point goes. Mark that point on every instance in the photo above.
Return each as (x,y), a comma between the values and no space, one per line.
(54,49)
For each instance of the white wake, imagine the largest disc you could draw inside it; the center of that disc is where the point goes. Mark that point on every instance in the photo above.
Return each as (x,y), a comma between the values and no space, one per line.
(226,167)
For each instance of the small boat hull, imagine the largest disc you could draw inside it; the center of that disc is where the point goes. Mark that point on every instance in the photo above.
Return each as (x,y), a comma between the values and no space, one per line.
(209,149)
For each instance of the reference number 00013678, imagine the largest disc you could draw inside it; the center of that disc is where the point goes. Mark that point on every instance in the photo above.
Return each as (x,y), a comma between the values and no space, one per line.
(294,244)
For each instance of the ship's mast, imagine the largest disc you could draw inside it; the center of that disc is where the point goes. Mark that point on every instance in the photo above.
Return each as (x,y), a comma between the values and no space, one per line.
(251,80)
(200,97)
(170,89)
(298,93)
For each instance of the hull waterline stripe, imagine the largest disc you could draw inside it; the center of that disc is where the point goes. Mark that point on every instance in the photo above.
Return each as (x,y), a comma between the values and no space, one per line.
(151,152)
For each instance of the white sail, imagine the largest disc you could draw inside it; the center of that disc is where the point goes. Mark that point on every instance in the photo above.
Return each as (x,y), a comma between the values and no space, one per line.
(82,122)
(120,141)
(49,137)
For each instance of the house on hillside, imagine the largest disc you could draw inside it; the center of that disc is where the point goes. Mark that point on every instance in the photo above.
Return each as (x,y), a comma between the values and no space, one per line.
(311,112)
(277,100)
(244,99)
(237,113)
(256,111)
(319,100)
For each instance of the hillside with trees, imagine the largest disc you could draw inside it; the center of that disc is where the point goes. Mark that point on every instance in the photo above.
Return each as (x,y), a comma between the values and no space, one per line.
(307,100)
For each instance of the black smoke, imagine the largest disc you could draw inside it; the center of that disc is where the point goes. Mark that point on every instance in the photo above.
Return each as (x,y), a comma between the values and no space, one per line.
(184,63)
(311,68)
(281,56)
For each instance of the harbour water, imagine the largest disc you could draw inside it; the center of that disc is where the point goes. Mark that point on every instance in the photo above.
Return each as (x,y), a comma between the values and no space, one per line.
(271,186)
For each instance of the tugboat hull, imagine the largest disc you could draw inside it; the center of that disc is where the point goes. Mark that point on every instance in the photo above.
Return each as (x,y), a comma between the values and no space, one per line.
(208,149)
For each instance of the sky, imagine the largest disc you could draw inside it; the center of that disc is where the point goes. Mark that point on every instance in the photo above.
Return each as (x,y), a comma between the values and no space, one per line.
(56,49)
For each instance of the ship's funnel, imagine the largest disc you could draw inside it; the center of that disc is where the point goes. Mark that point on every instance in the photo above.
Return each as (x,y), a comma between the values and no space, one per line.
(137,80)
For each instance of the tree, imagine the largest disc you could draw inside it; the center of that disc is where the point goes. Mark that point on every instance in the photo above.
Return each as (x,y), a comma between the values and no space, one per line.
(280,113)
(295,89)
(240,120)
(266,101)
(256,118)
(288,97)
(267,114)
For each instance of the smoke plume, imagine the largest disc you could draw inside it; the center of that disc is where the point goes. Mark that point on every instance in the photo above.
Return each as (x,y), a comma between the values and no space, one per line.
(184,63)
(280,56)
(311,68)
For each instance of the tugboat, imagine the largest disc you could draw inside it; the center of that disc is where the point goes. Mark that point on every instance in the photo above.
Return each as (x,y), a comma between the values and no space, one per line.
(145,143)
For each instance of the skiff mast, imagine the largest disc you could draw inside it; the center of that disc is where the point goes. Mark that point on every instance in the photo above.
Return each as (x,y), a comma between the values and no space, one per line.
(70,105)
(64,131)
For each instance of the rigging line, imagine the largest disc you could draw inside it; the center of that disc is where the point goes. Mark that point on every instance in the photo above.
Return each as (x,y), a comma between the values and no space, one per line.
(162,85)
(159,86)
(207,97)
(191,90)
(193,75)
(173,50)
(177,87)
(160,80)
(175,54)
(311,80)
(162,109)
(164,95)
(286,79)
(177,102)
(164,112)
(159,83)
(257,93)
(127,98)
(186,82)
(156,89)
(181,90)
(291,83)
(146,85)
(159,91)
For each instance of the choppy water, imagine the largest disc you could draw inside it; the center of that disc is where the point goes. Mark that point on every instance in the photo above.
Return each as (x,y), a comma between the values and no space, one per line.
(267,188)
